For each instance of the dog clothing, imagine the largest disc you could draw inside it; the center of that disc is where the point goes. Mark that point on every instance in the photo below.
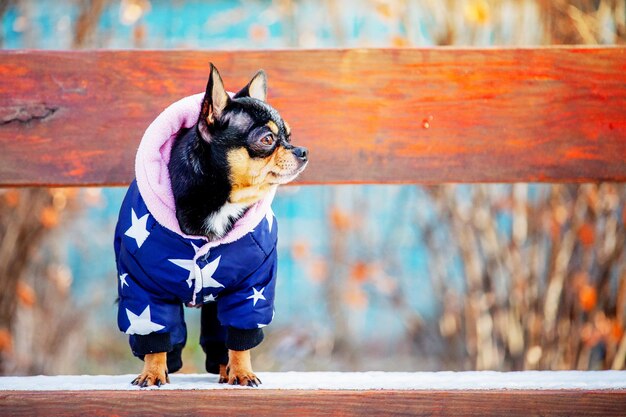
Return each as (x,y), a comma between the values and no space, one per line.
(160,268)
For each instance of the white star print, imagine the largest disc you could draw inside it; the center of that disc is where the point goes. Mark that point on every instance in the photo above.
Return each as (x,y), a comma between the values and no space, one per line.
(141,324)
(261,325)
(256,295)
(207,274)
(270,218)
(195,248)
(187,264)
(138,229)
(123,280)
(209,298)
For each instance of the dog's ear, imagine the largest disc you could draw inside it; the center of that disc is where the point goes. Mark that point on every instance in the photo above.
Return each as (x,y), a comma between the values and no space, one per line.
(256,88)
(214,101)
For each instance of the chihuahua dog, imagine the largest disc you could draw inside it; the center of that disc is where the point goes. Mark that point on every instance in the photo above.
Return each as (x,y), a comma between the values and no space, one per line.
(221,254)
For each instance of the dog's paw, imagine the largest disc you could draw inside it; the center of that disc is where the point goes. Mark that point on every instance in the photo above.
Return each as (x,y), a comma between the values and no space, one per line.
(243,377)
(150,378)
(154,371)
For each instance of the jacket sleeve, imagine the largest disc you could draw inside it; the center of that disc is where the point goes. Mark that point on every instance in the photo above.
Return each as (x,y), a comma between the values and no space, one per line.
(249,306)
(153,322)
(154,279)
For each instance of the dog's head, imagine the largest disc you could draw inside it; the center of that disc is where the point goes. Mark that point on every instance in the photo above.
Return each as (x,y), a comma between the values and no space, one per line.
(248,135)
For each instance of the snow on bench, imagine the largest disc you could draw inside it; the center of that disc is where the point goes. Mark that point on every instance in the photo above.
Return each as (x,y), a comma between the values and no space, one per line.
(529,380)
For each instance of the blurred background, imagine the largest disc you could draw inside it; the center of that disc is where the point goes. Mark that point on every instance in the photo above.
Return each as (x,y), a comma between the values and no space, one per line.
(449,277)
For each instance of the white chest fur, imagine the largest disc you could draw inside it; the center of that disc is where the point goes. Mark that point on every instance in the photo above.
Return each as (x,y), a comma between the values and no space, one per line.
(219,221)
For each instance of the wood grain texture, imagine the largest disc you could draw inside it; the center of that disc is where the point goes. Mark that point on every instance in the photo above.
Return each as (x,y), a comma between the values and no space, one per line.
(257,403)
(367,116)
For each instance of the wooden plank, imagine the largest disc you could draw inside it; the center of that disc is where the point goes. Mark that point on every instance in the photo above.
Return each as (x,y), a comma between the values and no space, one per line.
(368,116)
(314,403)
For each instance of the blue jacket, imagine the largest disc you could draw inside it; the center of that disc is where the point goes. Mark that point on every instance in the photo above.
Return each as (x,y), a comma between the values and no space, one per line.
(159,271)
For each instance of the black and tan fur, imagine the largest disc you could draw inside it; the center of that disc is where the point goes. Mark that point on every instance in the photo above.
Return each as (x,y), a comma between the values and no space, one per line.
(222,162)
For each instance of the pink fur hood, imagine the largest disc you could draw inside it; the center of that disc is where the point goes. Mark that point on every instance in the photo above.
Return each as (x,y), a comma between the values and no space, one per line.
(153,178)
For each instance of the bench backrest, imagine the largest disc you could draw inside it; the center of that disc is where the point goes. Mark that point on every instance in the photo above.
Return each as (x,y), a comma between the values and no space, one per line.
(368,116)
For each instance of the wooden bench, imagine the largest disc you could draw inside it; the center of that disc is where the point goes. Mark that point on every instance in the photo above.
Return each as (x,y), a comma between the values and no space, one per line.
(368,116)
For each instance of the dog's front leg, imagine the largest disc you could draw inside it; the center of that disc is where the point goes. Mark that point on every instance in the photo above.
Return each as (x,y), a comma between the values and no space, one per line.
(239,369)
(154,371)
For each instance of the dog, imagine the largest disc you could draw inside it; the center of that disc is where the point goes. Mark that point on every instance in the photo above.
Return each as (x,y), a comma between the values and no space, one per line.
(196,228)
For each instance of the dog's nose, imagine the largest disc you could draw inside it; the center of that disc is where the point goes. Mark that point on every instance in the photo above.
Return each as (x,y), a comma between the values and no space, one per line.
(301,153)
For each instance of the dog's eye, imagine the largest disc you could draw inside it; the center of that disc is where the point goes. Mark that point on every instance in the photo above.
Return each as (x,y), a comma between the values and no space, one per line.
(268,140)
